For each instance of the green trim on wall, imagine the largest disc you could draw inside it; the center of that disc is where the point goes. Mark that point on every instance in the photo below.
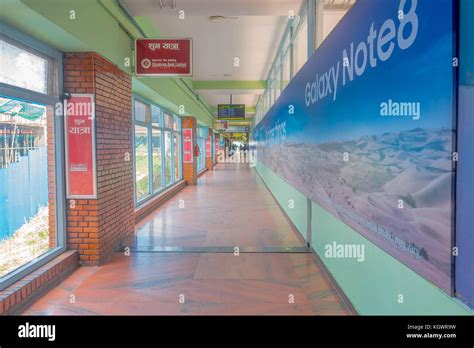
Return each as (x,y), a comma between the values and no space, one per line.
(373,285)
(229,84)
(287,196)
(99,26)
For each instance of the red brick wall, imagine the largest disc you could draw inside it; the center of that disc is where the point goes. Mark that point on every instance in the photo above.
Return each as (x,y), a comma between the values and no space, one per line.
(190,169)
(101,226)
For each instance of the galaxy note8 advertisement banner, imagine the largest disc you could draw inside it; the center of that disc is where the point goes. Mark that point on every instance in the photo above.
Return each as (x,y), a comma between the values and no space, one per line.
(365,129)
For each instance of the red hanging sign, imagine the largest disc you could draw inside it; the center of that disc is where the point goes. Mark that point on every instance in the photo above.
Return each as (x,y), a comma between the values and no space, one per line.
(187,145)
(79,113)
(163,57)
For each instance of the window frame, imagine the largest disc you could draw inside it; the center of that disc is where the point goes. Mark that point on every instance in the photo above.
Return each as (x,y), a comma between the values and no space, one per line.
(54,88)
(162,129)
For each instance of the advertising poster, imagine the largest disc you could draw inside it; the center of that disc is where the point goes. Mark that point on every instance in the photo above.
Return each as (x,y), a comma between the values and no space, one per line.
(365,130)
(163,57)
(465,165)
(187,145)
(80,146)
(209,146)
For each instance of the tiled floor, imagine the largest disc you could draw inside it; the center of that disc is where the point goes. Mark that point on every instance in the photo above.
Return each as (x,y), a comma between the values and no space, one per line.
(229,207)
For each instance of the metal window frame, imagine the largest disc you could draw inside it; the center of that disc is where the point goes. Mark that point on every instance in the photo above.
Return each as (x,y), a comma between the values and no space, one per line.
(162,129)
(55,76)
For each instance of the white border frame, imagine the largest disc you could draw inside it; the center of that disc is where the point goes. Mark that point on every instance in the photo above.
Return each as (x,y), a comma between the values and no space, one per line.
(166,75)
(94,150)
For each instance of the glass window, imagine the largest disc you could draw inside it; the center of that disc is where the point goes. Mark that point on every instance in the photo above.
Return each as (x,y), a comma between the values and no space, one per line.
(300,49)
(202,153)
(157,161)
(286,42)
(271,90)
(168,158)
(157,149)
(176,123)
(177,159)
(25,69)
(27,219)
(277,79)
(267,100)
(286,71)
(168,120)
(142,112)
(141,162)
(155,116)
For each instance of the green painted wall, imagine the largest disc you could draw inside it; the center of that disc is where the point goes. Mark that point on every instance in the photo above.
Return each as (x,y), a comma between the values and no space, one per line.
(99,26)
(373,285)
(285,193)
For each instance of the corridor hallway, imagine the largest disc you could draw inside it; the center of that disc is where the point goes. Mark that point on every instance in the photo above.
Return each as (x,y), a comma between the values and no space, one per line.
(183,260)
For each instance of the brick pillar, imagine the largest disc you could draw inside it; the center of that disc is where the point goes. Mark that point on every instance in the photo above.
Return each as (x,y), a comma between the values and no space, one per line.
(190,169)
(99,227)
(209,162)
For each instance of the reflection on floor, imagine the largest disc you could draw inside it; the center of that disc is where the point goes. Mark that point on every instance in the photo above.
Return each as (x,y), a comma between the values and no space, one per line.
(229,207)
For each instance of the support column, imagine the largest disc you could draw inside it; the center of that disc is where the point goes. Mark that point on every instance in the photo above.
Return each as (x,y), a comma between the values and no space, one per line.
(190,169)
(99,227)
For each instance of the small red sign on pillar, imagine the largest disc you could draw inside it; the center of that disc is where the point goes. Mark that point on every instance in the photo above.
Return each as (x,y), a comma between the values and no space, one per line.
(187,145)
(163,57)
(79,116)
(209,146)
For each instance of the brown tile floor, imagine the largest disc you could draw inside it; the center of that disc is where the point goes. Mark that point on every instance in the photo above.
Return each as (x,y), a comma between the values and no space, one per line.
(229,207)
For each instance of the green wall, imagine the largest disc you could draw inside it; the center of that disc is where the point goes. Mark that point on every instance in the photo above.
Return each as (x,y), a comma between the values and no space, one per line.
(284,193)
(100,26)
(374,285)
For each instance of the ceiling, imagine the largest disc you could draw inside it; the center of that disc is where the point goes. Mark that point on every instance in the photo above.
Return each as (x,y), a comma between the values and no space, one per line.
(252,35)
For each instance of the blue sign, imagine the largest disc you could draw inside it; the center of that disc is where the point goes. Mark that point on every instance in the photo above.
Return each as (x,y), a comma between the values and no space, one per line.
(365,129)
